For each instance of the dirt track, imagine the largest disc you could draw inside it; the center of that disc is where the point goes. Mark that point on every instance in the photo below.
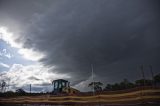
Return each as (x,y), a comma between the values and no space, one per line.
(147,95)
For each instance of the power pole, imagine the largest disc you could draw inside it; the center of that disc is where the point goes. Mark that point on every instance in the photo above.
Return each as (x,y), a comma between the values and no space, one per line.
(142,70)
(30,88)
(92,78)
(150,66)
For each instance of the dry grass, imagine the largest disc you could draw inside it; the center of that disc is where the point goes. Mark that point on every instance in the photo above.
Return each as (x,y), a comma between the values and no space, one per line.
(137,96)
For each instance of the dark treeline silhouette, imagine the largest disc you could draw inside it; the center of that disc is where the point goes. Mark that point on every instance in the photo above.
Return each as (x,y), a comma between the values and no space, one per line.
(125,84)
(20,92)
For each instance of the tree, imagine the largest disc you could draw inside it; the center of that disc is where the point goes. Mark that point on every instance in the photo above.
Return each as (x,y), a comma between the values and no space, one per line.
(143,82)
(20,91)
(125,84)
(3,86)
(108,87)
(116,86)
(97,86)
(9,93)
(157,79)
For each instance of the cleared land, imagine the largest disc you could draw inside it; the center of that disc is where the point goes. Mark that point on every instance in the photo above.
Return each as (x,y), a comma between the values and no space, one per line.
(132,96)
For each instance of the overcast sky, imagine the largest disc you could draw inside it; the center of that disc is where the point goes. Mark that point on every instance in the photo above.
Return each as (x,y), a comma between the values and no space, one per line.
(43,40)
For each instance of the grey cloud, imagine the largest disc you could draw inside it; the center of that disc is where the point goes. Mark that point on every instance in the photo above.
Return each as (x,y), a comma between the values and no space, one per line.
(33,78)
(115,36)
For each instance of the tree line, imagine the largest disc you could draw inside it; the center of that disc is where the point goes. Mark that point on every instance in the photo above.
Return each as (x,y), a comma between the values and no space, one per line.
(125,84)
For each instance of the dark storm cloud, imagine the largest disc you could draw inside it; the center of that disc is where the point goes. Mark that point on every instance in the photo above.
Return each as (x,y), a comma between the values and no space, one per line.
(115,36)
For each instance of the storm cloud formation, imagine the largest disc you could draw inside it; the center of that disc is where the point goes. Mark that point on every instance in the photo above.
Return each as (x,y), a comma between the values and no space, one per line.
(115,36)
